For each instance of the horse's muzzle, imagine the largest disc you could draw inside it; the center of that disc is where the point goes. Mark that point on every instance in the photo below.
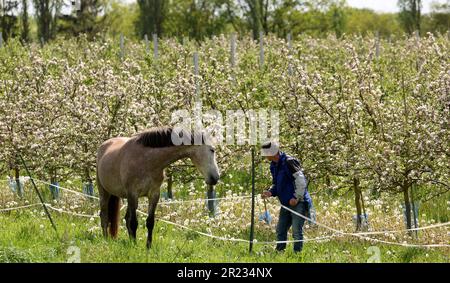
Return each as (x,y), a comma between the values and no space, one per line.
(212,180)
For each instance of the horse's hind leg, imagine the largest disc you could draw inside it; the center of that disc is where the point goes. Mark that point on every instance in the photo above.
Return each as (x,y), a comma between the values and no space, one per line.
(104,209)
(131,217)
(152,203)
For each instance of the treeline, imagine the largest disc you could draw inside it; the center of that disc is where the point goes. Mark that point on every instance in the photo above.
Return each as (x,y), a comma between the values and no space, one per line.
(43,20)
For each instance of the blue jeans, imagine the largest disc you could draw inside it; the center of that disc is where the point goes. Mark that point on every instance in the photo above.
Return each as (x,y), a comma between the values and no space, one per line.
(288,219)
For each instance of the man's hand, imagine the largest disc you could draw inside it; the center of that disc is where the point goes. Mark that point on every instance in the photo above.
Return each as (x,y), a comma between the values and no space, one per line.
(293,202)
(266,194)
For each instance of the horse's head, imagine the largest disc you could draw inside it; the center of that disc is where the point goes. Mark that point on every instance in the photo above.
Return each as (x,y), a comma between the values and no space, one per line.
(204,159)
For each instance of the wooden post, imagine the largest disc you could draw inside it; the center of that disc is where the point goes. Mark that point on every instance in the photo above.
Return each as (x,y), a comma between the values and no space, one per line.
(252,223)
(261,50)
(233,50)
(147,47)
(155,46)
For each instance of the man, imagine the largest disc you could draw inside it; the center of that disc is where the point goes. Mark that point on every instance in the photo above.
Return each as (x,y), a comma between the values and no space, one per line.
(290,186)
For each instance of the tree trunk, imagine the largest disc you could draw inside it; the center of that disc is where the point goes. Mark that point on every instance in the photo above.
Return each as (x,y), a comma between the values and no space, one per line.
(407,207)
(25,34)
(169,186)
(18,185)
(357,192)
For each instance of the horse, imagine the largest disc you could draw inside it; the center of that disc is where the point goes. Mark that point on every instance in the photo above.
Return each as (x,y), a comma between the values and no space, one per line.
(133,167)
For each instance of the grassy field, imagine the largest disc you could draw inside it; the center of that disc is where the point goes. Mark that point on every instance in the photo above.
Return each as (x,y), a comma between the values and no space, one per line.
(27,236)
(27,239)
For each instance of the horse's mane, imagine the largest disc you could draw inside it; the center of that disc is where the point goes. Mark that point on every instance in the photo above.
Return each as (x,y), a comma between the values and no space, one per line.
(159,137)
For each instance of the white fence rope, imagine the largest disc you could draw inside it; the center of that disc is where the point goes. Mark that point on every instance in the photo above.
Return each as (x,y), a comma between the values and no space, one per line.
(201,200)
(359,235)
(19,207)
(337,232)
(65,189)
(71,213)
(161,202)
(234,239)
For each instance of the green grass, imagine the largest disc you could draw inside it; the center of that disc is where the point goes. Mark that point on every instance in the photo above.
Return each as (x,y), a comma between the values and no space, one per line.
(27,237)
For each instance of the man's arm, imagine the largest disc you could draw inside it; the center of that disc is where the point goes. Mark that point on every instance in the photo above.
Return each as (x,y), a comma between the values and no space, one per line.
(299,178)
(273,189)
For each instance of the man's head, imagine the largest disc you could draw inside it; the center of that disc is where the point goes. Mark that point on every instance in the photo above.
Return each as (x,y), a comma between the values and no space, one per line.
(271,150)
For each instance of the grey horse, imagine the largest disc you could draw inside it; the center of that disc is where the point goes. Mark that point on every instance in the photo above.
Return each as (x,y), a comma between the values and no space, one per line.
(134,167)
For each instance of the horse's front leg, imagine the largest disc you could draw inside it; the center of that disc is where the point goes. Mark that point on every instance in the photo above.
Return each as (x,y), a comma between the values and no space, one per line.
(131,217)
(152,203)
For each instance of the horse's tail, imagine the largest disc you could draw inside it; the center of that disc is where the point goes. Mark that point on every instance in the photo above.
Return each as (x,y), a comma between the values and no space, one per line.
(114,215)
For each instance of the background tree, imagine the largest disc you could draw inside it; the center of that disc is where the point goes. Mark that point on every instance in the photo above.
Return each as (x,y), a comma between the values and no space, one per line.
(121,19)
(257,13)
(196,19)
(8,18)
(25,32)
(439,18)
(152,14)
(410,14)
(87,19)
(46,12)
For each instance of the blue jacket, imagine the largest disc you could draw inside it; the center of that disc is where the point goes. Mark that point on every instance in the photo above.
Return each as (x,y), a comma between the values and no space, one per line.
(283,180)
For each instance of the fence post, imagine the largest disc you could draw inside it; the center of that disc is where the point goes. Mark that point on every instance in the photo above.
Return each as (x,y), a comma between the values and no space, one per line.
(122,55)
(147,48)
(233,50)
(39,195)
(155,46)
(212,203)
(261,50)
(252,223)
(289,41)
(377,44)
(197,87)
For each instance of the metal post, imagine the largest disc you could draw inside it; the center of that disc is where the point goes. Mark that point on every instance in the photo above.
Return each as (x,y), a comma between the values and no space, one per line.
(252,225)
(261,50)
(155,46)
(197,87)
(122,55)
(211,195)
(289,40)
(377,45)
(39,195)
(233,50)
